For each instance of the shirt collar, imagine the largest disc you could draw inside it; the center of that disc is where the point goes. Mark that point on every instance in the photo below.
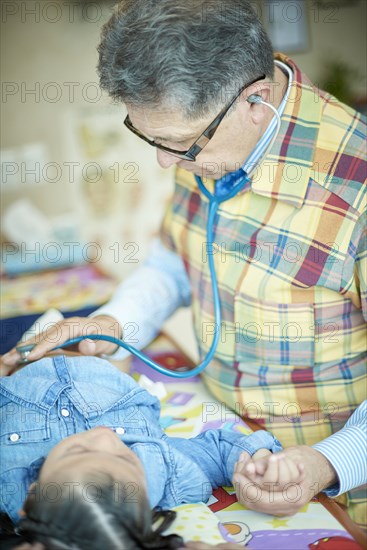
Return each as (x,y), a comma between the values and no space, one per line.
(283,174)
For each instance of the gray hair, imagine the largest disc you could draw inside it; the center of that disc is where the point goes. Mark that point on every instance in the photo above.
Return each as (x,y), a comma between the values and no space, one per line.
(190,55)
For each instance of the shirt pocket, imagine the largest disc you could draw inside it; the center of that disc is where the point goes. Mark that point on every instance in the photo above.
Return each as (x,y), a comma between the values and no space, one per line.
(340,332)
(269,333)
(22,425)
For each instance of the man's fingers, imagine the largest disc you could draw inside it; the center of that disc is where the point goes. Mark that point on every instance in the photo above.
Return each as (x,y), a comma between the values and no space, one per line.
(259,499)
(101,324)
(96,347)
(5,370)
(271,474)
(246,466)
(278,469)
(260,454)
(284,471)
(288,472)
(242,461)
(88,347)
(246,489)
(244,457)
(301,472)
(261,466)
(250,470)
(54,337)
(11,359)
(73,327)
(293,472)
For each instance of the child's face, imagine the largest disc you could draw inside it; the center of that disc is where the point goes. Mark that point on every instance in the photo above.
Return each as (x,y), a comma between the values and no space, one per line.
(94,454)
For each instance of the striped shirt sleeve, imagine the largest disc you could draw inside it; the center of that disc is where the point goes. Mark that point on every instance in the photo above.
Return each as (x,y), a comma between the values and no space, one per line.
(346,450)
(148,297)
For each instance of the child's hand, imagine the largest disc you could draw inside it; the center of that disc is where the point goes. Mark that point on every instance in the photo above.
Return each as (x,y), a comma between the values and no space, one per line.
(246,459)
(282,483)
(261,453)
(277,469)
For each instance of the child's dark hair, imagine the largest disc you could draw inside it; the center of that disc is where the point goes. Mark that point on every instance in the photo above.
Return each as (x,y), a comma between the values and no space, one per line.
(100,521)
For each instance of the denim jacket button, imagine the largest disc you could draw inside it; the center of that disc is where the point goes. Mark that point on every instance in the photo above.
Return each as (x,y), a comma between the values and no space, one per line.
(120,431)
(14,437)
(65,412)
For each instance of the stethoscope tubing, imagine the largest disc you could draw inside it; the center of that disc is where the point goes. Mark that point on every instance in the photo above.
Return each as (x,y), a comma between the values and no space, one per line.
(214,202)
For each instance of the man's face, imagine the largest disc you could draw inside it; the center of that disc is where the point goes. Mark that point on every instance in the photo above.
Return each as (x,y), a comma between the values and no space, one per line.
(233,141)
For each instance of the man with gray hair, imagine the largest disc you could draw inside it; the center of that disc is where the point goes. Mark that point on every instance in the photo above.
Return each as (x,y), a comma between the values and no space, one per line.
(202,85)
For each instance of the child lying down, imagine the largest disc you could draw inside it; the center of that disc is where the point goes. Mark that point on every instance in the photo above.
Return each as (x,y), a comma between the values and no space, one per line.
(84,459)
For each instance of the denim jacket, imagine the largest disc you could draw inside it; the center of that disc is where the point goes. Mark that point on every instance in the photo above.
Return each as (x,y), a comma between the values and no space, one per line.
(54,398)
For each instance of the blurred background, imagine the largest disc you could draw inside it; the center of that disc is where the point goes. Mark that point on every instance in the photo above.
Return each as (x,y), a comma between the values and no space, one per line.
(78,190)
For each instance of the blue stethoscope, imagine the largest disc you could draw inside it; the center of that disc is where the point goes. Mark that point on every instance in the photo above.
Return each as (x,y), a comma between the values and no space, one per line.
(222,193)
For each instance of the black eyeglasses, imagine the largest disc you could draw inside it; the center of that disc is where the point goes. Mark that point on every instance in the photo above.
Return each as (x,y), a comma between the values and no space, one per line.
(202,140)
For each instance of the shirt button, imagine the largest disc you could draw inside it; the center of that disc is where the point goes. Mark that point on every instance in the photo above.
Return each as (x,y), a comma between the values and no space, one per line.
(65,412)
(120,431)
(14,437)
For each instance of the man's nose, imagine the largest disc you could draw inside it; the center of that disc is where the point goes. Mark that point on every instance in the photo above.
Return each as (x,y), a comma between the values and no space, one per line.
(165,160)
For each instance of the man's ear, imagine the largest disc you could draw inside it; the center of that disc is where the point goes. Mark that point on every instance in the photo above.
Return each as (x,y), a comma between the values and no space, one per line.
(261,89)
(253,97)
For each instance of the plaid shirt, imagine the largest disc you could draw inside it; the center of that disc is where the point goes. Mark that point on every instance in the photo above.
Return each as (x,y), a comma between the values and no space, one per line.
(291,260)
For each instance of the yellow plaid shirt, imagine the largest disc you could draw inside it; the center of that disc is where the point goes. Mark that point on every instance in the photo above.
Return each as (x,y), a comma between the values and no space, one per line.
(291,260)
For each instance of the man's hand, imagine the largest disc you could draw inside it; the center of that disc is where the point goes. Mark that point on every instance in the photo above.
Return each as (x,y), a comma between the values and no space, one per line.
(283,483)
(278,469)
(61,332)
(261,453)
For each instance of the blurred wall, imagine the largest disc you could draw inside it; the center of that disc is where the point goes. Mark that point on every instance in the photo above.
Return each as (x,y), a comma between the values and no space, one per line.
(336,31)
(54,115)
(56,119)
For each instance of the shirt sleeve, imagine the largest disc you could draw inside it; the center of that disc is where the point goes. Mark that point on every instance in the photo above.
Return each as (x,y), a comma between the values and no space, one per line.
(217,451)
(148,297)
(346,450)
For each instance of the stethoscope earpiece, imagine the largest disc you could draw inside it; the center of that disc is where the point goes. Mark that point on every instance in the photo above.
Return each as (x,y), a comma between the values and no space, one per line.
(255,99)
